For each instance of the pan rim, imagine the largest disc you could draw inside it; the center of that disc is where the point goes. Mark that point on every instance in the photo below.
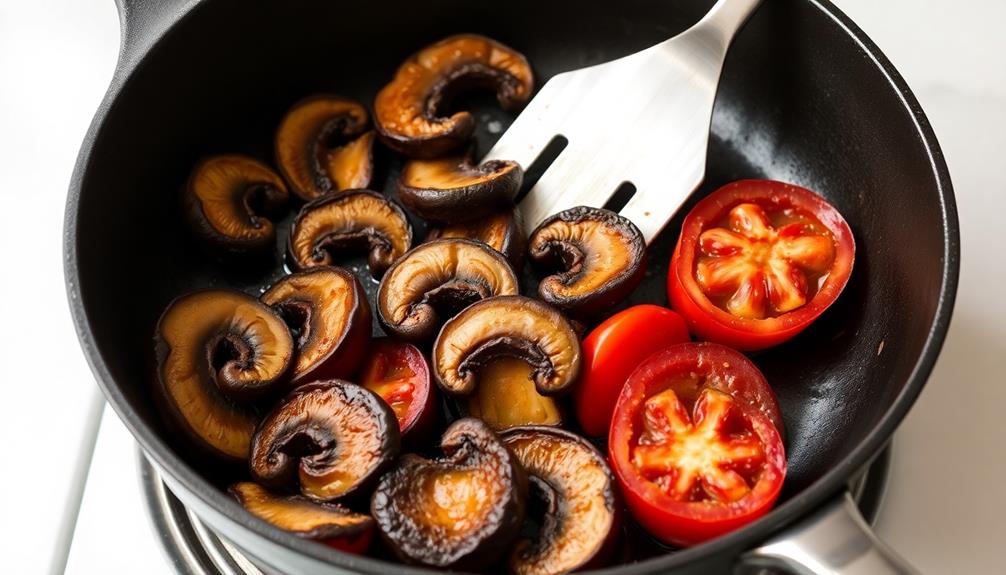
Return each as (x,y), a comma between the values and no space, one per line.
(800,505)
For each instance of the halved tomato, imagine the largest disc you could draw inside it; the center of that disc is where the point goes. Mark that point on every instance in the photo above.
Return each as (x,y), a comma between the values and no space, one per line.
(612,351)
(694,445)
(398,372)
(758,261)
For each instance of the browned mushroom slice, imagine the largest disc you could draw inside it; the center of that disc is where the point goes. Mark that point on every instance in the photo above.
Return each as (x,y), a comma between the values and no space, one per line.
(301,516)
(227,199)
(338,224)
(576,487)
(507,326)
(454,189)
(601,256)
(322,145)
(215,349)
(332,436)
(506,397)
(436,280)
(503,231)
(408,111)
(327,310)
(461,511)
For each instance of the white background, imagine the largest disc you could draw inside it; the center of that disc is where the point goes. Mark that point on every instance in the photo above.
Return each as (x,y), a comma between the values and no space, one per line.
(946,508)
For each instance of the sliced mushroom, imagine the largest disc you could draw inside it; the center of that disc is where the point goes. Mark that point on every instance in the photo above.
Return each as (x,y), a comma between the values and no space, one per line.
(340,223)
(326,522)
(461,511)
(328,313)
(332,436)
(455,189)
(409,111)
(217,349)
(507,326)
(506,397)
(227,199)
(600,254)
(576,488)
(436,280)
(502,230)
(322,145)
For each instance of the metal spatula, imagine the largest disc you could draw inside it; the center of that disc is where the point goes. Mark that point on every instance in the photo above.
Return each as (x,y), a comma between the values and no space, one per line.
(642,119)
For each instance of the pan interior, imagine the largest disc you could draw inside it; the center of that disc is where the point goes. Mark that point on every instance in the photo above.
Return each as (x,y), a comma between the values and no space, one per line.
(799,101)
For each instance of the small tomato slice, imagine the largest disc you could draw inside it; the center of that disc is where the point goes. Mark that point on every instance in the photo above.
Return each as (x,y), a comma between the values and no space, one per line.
(758,261)
(693,443)
(398,372)
(612,351)
(357,545)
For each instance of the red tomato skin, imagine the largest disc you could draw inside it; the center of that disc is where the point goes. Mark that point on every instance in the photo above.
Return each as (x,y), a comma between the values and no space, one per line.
(686,524)
(612,351)
(357,545)
(710,323)
(421,416)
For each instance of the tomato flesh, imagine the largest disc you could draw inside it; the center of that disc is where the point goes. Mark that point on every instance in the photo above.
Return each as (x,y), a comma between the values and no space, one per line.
(696,457)
(754,269)
(757,261)
(398,372)
(693,443)
(610,354)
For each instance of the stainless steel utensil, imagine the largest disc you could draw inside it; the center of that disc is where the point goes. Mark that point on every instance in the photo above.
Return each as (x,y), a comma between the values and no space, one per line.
(641,119)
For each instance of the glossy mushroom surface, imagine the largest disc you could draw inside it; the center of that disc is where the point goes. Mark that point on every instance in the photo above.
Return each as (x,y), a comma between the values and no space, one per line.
(323,145)
(216,350)
(332,437)
(342,223)
(327,311)
(301,516)
(228,199)
(507,326)
(502,230)
(461,511)
(575,489)
(436,280)
(600,257)
(506,397)
(455,189)
(408,111)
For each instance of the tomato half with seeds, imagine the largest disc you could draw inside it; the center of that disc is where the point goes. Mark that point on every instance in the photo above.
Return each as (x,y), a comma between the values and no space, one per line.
(399,373)
(612,351)
(758,261)
(693,443)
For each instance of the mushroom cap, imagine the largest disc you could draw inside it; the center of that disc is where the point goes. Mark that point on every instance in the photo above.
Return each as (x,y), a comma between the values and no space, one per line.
(328,310)
(217,349)
(436,280)
(227,198)
(455,189)
(503,231)
(299,515)
(322,145)
(407,110)
(460,511)
(600,255)
(578,487)
(339,223)
(332,437)
(507,326)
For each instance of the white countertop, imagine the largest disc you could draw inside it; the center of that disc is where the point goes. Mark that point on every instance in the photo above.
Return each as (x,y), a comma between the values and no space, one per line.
(944,510)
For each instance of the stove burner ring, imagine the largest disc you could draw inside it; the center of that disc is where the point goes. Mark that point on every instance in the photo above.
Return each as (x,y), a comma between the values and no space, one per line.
(194,549)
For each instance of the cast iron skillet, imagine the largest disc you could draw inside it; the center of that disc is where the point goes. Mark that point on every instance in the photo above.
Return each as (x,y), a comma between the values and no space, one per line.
(805,97)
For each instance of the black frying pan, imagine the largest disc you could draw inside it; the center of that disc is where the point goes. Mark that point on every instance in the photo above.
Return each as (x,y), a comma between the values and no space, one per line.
(805,97)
